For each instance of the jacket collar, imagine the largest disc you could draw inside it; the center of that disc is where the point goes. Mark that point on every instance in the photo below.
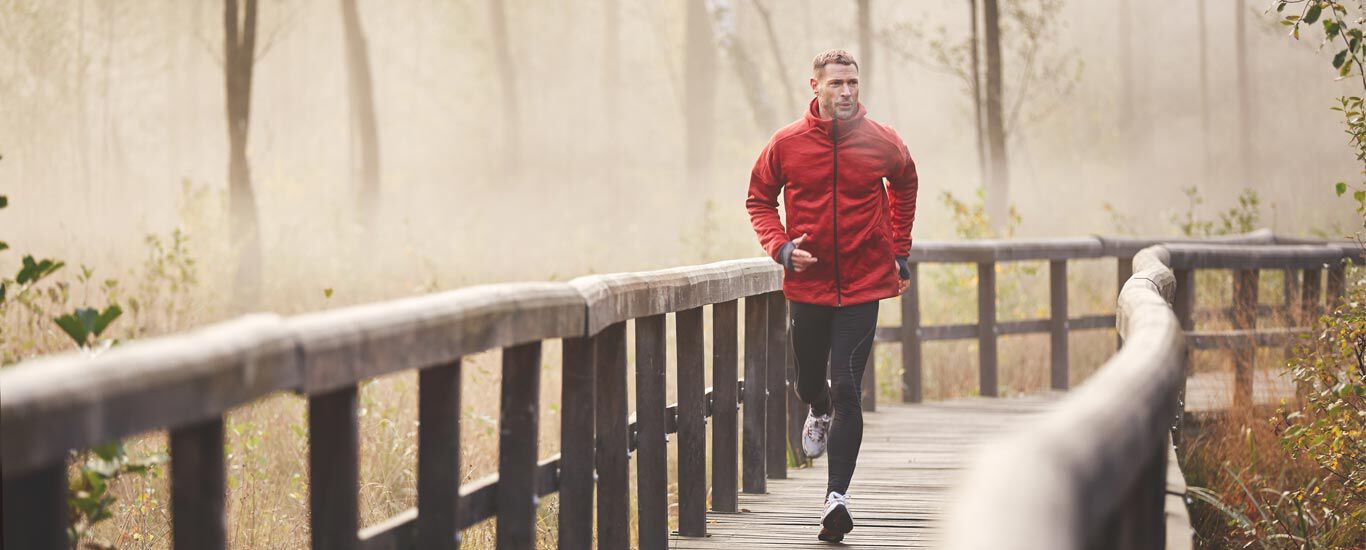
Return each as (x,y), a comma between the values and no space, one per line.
(846,127)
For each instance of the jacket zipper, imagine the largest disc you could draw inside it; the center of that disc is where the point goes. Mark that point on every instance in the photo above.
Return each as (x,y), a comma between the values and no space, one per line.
(835,203)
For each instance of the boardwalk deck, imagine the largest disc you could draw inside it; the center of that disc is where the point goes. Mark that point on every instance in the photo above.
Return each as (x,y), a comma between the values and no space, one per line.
(911,456)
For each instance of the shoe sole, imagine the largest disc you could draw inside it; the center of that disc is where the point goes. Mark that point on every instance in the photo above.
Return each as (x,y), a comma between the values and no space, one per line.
(835,524)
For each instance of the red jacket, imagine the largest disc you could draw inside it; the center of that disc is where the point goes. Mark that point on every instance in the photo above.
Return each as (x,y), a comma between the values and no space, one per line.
(830,173)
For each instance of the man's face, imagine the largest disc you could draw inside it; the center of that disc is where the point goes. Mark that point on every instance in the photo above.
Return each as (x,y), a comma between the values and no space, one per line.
(836,88)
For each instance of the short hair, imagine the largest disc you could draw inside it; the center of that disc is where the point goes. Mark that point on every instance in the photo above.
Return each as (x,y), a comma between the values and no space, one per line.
(827,57)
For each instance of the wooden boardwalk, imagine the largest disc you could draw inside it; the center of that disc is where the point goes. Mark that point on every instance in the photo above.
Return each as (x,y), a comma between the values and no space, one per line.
(910,458)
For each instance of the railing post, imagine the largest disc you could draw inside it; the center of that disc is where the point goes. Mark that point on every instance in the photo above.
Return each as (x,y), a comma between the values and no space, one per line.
(986,328)
(1244,319)
(35,514)
(1057,325)
(1310,295)
(756,334)
(198,486)
(1124,269)
(577,419)
(1337,285)
(652,444)
(438,456)
(692,427)
(775,420)
(911,359)
(1291,291)
(613,460)
(519,430)
(1184,307)
(725,399)
(334,470)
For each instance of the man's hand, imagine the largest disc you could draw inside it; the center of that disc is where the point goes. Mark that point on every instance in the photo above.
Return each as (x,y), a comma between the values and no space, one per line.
(902,285)
(801,259)
(903,272)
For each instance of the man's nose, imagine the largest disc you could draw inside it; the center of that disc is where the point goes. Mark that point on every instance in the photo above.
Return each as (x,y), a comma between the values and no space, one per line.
(846,90)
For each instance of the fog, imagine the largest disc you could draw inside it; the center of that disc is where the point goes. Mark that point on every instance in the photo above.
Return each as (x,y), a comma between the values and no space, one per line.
(112,127)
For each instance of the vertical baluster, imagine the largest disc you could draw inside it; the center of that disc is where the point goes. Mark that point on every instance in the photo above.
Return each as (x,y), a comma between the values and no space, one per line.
(692,427)
(1244,319)
(912,379)
(1337,285)
(652,460)
(438,456)
(1310,296)
(1057,323)
(519,430)
(756,375)
(775,420)
(334,469)
(986,328)
(724,435)
(35,513)
(1184,305)
(613,462)
(198,486)
(1123,270)
(577,405)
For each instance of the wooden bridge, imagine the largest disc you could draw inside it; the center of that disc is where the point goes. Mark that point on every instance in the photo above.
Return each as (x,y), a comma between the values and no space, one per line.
(1087,468)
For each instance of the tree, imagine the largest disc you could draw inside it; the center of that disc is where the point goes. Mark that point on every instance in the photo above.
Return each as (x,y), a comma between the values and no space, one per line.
(998,185)
(699,93)
(239,53)
(365,130)
(865,46)
(789,85)
(977,94)
(507,78)
(1245,126)
(746,71)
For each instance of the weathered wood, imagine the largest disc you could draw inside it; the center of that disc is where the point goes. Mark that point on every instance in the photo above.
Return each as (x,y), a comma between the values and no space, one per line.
(912,357)
(986,332)
(198,486)
(1337,285)
(652,445)
(438,456)
(34,511)
(518,429)
(577,404)
(1214,256)
(619,297)
(334,469)
(342,347)
(725,427)
(1057,304)
(613,461)
(753,461)
(1129,246)
(1123,270)
(988,250)
(51,405)
(1244,319)
(1244,339)
(775,360)
(1310,295)
(692,427)
(1183,305)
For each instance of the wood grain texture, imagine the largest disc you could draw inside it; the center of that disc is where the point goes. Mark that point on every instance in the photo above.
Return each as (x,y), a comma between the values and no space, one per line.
(334,469)
(198,486)
(652,443)
(577,443)
(438,456)
(619,297)
(725,442)
(753,459)
(613,461)
(518,432)
(692,427)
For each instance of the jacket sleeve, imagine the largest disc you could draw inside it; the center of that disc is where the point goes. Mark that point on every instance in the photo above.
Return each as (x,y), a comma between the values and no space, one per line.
(905,184)
(765,184)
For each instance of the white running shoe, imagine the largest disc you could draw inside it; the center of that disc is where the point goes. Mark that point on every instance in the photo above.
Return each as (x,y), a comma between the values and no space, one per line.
(814,434)
(836,521)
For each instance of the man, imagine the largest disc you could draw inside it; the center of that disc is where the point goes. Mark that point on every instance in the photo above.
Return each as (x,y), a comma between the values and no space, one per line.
(845,247)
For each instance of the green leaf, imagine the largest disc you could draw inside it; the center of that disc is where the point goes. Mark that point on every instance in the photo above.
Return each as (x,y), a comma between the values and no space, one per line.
(1331,28)
(1341,188)
(4,201)
(1360,196)
(71,324)
(113,312)
(33,271)
(109,451)
(1313,14)
(4,245)
(1339,59)
(327,293)
(1346,68)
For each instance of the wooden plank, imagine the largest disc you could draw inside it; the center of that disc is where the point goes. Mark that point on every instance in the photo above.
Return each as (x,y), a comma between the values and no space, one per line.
(576,443)
(951,332)
(334,469)
(986,332)
(1124,269)
(775,419)
(619,297)
(34,511)
(753,461)
(1057,304)
(725,425)
(652,445)
(1216,256)
(1244,339)
(912,356)
(1183,304)
(692,427)
(1090,322)
(518,429)
(613,462)
(1310,295)
(1337,285)
(438,456)
(1244,319)
(198,486)
(992,250)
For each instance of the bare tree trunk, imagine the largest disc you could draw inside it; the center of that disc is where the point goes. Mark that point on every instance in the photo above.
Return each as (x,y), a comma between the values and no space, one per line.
(865,48)
(1126,75)
(699,94)
(239,52)
(1204,89)
(1245,123)
(363,119)
(788,84)
(977,95)
(723,16)
(507,76)
(998,186)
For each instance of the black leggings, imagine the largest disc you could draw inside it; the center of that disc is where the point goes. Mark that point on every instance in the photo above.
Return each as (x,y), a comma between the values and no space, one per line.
(840,338)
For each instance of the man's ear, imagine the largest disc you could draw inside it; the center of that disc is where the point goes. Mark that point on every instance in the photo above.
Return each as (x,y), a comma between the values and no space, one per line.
(814,83)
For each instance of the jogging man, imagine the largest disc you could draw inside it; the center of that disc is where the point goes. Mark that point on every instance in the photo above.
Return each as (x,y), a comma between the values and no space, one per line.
(845,247)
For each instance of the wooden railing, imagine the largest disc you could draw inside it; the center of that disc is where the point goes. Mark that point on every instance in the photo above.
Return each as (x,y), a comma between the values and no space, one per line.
(186,383)
(1092,472)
